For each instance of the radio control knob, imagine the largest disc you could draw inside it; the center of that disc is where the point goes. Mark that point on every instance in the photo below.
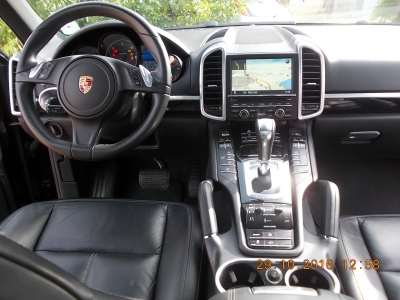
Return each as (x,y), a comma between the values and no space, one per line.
(280,113)
(244,114)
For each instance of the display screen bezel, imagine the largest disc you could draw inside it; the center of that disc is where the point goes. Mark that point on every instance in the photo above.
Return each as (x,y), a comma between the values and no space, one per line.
(294,62)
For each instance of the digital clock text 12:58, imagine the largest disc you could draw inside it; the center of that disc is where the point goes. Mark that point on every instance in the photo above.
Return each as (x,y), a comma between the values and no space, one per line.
(369,264)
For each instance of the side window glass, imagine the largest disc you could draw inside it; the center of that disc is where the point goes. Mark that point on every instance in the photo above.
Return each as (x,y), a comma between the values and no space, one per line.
(9,43)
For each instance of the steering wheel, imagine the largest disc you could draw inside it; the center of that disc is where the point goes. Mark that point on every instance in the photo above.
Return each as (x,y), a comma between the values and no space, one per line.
(92,89)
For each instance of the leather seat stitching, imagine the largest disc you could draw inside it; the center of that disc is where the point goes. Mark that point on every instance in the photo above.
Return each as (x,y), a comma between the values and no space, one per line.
(184,276)
(87,267)
(44,226)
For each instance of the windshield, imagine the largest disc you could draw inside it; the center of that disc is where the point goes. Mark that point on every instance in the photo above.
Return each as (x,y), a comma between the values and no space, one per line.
(186,13)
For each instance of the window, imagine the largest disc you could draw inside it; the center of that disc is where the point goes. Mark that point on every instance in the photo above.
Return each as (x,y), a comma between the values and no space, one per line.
(9,43)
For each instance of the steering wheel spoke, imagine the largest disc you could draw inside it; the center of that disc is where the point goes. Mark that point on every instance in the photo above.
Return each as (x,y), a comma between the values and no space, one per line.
(85,137)
(47,72)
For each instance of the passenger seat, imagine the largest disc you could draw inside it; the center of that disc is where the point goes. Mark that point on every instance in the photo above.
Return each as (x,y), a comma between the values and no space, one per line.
(368,259)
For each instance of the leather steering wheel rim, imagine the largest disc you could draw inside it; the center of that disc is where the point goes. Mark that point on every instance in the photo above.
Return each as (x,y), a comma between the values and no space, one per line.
(117,82)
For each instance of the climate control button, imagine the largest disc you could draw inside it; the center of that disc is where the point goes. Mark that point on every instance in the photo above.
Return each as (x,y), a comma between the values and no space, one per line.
(244,114)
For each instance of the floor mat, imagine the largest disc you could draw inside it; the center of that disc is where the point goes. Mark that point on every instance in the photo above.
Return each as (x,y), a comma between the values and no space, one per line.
(172,194)
(366,187)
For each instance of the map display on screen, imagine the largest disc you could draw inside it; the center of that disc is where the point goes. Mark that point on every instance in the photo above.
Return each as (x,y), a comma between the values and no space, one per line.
(261,76)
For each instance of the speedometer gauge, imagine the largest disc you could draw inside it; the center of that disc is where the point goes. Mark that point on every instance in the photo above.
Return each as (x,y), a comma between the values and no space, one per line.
(150,63)
(119,47)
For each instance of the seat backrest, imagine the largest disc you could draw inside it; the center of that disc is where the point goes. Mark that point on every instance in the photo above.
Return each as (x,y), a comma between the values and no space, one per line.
(25,275)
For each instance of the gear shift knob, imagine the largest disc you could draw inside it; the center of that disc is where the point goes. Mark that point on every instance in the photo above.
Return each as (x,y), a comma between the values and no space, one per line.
(265,132)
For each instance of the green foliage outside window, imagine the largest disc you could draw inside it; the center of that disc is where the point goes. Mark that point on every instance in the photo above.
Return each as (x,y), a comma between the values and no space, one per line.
(9,43)
(161,13)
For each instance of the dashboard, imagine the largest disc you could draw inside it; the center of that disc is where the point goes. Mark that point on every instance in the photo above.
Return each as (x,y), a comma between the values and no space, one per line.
(357,67)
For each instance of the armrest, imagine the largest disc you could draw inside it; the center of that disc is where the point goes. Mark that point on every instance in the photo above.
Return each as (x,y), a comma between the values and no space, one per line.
(207,211)
(323,199)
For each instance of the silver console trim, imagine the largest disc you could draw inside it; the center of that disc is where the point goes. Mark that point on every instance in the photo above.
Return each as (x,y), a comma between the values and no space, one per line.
(362,95)
(11,86)
(209,50)
(178,98)
(305,44)
(323,272)
(276,168)
(284,290)
(332,275)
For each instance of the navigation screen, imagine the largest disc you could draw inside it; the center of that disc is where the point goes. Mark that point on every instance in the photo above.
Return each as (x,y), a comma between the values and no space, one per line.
(261,76)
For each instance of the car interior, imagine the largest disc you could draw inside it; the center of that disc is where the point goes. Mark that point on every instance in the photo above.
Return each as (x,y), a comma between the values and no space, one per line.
(235,161)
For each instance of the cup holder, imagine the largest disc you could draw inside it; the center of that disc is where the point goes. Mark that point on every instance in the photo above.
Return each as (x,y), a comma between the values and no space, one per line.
(250,273)
(240,275)
(316,279)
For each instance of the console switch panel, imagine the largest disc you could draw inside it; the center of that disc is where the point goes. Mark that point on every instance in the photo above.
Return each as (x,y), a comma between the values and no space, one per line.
(269,225)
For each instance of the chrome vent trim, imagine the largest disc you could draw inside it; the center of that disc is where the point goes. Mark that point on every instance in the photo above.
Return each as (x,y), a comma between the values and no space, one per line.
(219,88)
(309,79)
(12,67)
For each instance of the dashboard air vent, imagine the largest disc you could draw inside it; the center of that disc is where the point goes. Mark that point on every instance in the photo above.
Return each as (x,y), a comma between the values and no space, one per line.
(217,34)
(12,68)
(212,84)
(312,82)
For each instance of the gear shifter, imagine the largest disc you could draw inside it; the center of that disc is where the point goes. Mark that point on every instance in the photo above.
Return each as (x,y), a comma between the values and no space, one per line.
(265,131)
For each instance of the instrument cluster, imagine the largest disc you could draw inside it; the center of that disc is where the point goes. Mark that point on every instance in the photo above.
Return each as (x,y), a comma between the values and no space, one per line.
(121,47)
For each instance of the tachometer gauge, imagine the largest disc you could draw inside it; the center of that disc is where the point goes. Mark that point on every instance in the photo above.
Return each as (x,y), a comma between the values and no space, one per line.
(176,66)
(119,47)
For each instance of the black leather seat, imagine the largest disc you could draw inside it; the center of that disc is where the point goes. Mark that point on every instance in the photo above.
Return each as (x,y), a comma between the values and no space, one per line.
(125,248)
(374,237)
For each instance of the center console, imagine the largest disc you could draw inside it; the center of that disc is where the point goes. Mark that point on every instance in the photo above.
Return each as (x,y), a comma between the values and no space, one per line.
(268,223)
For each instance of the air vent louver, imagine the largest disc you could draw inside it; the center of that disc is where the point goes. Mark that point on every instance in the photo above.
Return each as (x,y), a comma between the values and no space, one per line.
(312,81)
(13,96)
(212,84)
(217,34)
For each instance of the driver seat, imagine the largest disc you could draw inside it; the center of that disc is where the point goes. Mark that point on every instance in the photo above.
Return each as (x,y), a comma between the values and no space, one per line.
(116,249)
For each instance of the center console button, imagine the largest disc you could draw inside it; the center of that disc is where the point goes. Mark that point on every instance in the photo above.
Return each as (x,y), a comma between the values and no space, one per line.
(269,234)
(274,275)
(269,221)
(287,217)
(284,234)
(300,169)
(295,152)
(284,242)
(228,169)
(261,113)
(271,243)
